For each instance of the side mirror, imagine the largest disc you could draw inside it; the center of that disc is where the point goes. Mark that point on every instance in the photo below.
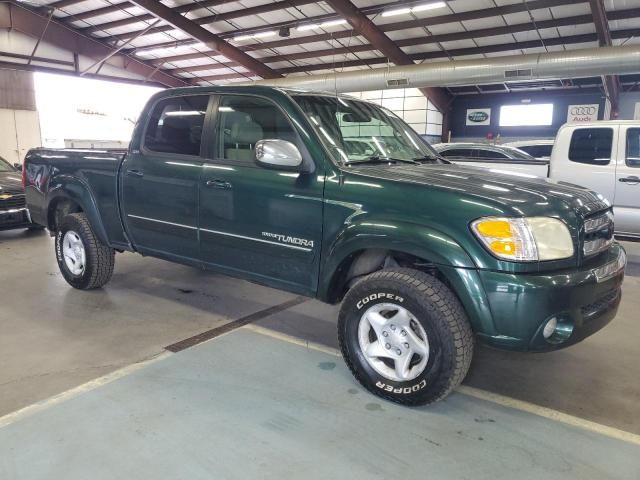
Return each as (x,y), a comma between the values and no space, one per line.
(18,166)
(278,154)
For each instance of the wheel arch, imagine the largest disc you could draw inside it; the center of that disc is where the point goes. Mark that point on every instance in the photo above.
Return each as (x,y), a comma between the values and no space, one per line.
(427,250)
(71,195)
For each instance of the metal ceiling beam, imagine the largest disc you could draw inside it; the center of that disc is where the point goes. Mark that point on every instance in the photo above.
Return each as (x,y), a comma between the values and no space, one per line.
(210,39)
(64,3)
(423,22)
(270,7)
(190,7)
(611,83)
(220,17)
(365,27)
(445,37)
(583,38)
(31,23)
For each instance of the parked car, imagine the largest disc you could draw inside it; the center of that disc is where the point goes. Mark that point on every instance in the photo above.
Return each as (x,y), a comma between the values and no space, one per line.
(540,149)
(338,199)
(13,210)
(494,156)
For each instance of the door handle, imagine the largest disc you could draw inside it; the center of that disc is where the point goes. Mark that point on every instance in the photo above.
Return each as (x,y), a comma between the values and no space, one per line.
(218,184)
(135,173)
(631,179)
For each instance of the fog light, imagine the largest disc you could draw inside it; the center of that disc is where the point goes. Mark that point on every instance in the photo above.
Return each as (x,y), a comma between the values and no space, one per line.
(550,328)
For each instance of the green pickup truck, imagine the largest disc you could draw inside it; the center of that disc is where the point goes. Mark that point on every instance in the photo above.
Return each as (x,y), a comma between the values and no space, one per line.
(338,199)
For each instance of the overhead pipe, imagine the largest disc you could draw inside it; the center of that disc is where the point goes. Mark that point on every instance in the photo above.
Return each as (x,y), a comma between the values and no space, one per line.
(588,62)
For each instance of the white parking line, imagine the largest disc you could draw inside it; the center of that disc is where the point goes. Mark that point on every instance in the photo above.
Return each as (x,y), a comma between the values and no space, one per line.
(544,412)
(12,417)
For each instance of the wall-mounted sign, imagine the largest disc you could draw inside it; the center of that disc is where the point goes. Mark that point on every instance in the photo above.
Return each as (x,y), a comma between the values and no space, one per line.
(582,113)
(636,114)
(479,116)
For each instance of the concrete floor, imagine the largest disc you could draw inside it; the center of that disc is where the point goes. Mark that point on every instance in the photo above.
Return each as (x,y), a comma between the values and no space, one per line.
(54,338)
(293,413)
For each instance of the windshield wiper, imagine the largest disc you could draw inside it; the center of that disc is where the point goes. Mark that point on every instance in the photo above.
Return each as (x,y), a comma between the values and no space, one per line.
(430,158)
(380,159)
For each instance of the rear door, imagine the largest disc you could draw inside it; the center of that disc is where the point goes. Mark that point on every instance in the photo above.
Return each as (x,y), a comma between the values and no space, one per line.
(263,223)
(627,197)
(584,156)
(160,181)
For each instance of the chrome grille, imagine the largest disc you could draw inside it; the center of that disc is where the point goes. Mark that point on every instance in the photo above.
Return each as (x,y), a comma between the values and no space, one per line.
(12,201)
(598,233)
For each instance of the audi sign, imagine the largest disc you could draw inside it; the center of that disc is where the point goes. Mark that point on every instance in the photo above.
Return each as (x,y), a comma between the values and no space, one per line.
(583,113)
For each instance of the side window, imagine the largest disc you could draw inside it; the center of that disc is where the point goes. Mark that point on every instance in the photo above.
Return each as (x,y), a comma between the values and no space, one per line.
(175,125)
(538,151)
(242,121)
(633,148)
(490,154)
(456,153)
(591,146)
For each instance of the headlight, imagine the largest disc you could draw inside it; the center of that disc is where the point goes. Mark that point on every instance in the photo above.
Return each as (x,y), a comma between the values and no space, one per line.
(524,239)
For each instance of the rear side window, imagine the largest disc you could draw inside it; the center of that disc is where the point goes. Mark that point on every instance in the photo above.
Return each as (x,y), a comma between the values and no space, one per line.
(175,125)
(243,121)
(633,148)
(457,153)
(538,151)
(489,154)
(591,146)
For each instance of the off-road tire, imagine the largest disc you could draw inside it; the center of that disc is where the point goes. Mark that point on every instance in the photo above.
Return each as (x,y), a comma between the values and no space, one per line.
(443,318)
(100,259)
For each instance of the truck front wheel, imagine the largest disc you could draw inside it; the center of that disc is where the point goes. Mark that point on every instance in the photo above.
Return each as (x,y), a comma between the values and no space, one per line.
(84,261)
(405,336)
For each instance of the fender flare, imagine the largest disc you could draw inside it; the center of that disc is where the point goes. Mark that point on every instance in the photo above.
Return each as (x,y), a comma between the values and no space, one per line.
(418,240)
(65,187)
(451,259)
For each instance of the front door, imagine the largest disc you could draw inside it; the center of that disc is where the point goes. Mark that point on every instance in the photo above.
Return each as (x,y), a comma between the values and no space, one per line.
(627,199)
(265,224)
(160,181)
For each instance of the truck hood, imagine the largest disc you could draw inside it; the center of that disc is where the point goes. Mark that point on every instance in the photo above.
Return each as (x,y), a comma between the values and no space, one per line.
(10,182)
(524,195)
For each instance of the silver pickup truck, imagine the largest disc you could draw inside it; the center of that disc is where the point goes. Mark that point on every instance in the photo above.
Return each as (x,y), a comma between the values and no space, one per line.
(603,156)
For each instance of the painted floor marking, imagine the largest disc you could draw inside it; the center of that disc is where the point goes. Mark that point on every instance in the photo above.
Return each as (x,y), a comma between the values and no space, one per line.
(29,410)
(502,400)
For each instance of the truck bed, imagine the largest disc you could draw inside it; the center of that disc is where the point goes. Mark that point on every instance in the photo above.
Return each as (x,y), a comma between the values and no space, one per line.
(49,171)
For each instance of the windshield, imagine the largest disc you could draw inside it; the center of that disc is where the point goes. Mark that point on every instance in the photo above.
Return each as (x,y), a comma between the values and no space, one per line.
(357,131)
(5,166)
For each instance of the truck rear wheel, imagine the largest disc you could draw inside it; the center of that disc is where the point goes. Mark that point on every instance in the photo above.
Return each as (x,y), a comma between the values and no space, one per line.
(84,261)
(405,336)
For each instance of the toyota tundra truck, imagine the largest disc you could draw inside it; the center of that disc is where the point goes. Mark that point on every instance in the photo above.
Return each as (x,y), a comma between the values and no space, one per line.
(337,199)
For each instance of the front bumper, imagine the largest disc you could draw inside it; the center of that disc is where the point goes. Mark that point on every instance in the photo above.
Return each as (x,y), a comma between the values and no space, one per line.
(14,218)
(583,301)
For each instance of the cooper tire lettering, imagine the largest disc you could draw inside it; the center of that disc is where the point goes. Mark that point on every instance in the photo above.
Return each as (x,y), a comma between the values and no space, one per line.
(402,390)
(377,296)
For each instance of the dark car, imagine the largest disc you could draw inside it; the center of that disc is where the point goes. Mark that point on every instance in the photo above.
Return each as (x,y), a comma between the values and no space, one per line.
(13,208)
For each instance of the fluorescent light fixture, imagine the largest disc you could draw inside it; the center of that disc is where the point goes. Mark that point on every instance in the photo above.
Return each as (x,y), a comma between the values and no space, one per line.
(308,26)
(269,33)
(226,109)
(313,26)
(418,8)
(333,23)
(428,6)
(399,11)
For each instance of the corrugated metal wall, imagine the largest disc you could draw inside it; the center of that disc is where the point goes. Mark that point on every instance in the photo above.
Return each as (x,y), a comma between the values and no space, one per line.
(17,91)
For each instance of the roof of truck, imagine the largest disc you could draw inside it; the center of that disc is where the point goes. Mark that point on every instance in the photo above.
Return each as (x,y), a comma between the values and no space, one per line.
(602,123)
